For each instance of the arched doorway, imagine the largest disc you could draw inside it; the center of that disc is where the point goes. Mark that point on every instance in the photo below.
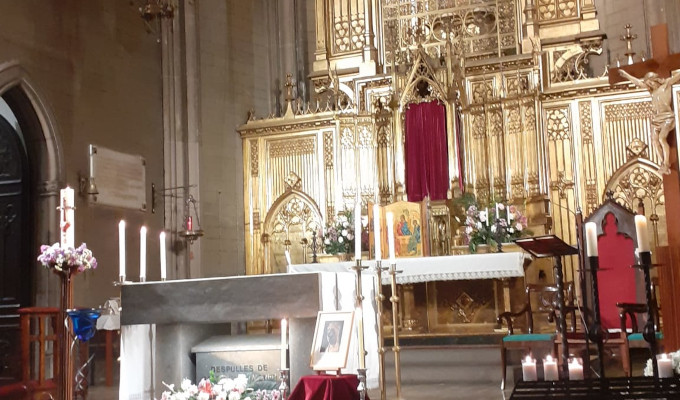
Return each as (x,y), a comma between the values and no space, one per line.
(15,273)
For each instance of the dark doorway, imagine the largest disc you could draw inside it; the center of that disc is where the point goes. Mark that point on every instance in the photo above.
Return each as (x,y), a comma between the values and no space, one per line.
(15,266)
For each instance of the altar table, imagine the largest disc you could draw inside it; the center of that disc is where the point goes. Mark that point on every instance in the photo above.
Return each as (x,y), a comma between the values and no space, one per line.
(326,387)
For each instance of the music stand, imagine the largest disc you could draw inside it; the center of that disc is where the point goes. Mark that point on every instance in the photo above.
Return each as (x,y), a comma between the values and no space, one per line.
(552,246)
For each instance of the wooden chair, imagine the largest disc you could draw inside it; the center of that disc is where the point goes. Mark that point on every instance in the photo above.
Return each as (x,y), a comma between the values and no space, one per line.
(619,284)
(38,333)
(531,341)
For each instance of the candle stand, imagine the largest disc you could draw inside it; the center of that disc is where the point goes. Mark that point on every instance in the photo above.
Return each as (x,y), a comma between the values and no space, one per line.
(649,332)
(379,297)
(595,331)
(284,377)
(394,299)
(499,234)
(358,268)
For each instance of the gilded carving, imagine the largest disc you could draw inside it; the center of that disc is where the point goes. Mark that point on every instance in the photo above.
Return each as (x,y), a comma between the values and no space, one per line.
(254,159)
(636,148)
(557,124)
(638,183)
(284,148)
(328,150)
(552,10)
(562,185)
(284,128)
(626,111)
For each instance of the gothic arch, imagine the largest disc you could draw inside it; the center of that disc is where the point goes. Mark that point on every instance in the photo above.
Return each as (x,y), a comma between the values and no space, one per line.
(422,73)
(294,216)
(45,157)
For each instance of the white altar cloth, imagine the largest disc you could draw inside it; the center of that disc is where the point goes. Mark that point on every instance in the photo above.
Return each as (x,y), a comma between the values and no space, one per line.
(443,268)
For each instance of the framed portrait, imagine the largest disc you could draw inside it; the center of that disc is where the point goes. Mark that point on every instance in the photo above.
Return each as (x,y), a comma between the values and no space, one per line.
(410,229)
(331,340)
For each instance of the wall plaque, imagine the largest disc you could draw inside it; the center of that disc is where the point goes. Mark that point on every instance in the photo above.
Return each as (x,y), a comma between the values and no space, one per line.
(120,178)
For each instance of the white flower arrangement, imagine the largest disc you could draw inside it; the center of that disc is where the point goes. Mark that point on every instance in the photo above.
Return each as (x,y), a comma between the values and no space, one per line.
(218,389)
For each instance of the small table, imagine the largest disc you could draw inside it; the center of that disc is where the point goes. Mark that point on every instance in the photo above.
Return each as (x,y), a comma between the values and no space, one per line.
(326,387)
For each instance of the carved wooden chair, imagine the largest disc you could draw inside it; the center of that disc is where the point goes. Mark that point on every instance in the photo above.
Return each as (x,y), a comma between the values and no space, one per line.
(621,288)
(540,300)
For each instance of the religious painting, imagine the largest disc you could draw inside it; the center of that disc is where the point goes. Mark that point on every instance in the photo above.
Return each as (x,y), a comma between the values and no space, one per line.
(331,340)
(410,236)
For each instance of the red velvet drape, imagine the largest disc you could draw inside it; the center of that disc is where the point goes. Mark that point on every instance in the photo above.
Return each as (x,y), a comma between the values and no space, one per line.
(426,152)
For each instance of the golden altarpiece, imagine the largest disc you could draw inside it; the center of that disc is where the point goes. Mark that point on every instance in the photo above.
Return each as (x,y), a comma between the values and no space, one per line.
(526,121)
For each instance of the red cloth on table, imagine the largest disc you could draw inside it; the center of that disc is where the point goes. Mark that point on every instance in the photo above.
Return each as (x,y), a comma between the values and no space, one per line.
(326,387)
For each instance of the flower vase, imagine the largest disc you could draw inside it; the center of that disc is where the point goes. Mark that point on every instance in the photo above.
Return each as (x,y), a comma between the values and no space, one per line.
(343,257)
(66,277)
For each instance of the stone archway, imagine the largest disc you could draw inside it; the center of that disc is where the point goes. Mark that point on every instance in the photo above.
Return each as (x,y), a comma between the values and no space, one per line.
(43,149)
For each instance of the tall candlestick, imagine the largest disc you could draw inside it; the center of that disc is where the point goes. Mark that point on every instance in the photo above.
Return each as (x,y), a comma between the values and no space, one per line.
(161,239)
(284,343)
(67,220)
(642,233)
(591,239)
(390,236)
(360,330)
(357,231)
(121,249)
(376,231)
(142,254)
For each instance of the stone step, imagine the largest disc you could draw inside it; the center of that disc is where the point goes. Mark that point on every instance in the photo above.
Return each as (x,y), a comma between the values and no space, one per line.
(423,365)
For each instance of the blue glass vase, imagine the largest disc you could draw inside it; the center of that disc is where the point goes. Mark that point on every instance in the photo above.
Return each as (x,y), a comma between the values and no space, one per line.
(84,322)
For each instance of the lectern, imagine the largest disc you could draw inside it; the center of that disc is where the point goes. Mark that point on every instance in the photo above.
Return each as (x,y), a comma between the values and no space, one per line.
(552,246)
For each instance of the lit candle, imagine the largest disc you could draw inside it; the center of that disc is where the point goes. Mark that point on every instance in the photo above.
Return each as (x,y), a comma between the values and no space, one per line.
(529,369)
(67,220)
(390,236)
(591,239)
(642,233)
(376,231)
(284,343)
(161,239)
(142,254)
(575,370)
(121,249)
(190,223)
(357,231)
(665,366)
(550,369)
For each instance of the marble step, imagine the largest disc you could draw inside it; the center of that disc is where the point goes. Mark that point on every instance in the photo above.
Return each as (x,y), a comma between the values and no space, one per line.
(470,364)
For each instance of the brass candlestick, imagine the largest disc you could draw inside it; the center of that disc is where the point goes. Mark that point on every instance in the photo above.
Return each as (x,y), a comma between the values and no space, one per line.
(395,327)
(361,371)
(284,375)
(379,297)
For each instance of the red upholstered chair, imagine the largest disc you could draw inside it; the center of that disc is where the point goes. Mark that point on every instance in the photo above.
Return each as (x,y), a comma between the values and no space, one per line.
(540,301)
(620,286)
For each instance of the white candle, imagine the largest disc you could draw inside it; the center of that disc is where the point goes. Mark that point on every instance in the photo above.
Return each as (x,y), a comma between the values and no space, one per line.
(287,253)
(376,231)
(121,249)
(67,220)
(161,239)
(357,231)
(390,236)
(142,254)
(665,366)
(284,343)
(92,152)
(486,214)
(507,213)
(550,369)
(498,212)
(529,369)
(642,233)
(591,239)
(575,370)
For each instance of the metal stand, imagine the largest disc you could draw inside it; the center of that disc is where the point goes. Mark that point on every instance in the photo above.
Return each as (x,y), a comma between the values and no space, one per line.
(379,297)
(498,235)
(360,329)
(394,299)
(284,376)
(314,247)
(595,331)
(649,332)
(562,321)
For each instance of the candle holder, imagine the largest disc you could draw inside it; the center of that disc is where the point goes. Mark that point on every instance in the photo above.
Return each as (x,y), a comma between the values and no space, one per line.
(394,299)
(361,376)
(284,377)
(595,331)
(379,297)
(649,331)
(360,324)
(499,234)
(315,248)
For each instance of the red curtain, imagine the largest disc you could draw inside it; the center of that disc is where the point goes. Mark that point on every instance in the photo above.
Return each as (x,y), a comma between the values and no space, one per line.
(427,169)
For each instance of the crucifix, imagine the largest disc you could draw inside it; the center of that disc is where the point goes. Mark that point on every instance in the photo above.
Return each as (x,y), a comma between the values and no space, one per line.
(655,76)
